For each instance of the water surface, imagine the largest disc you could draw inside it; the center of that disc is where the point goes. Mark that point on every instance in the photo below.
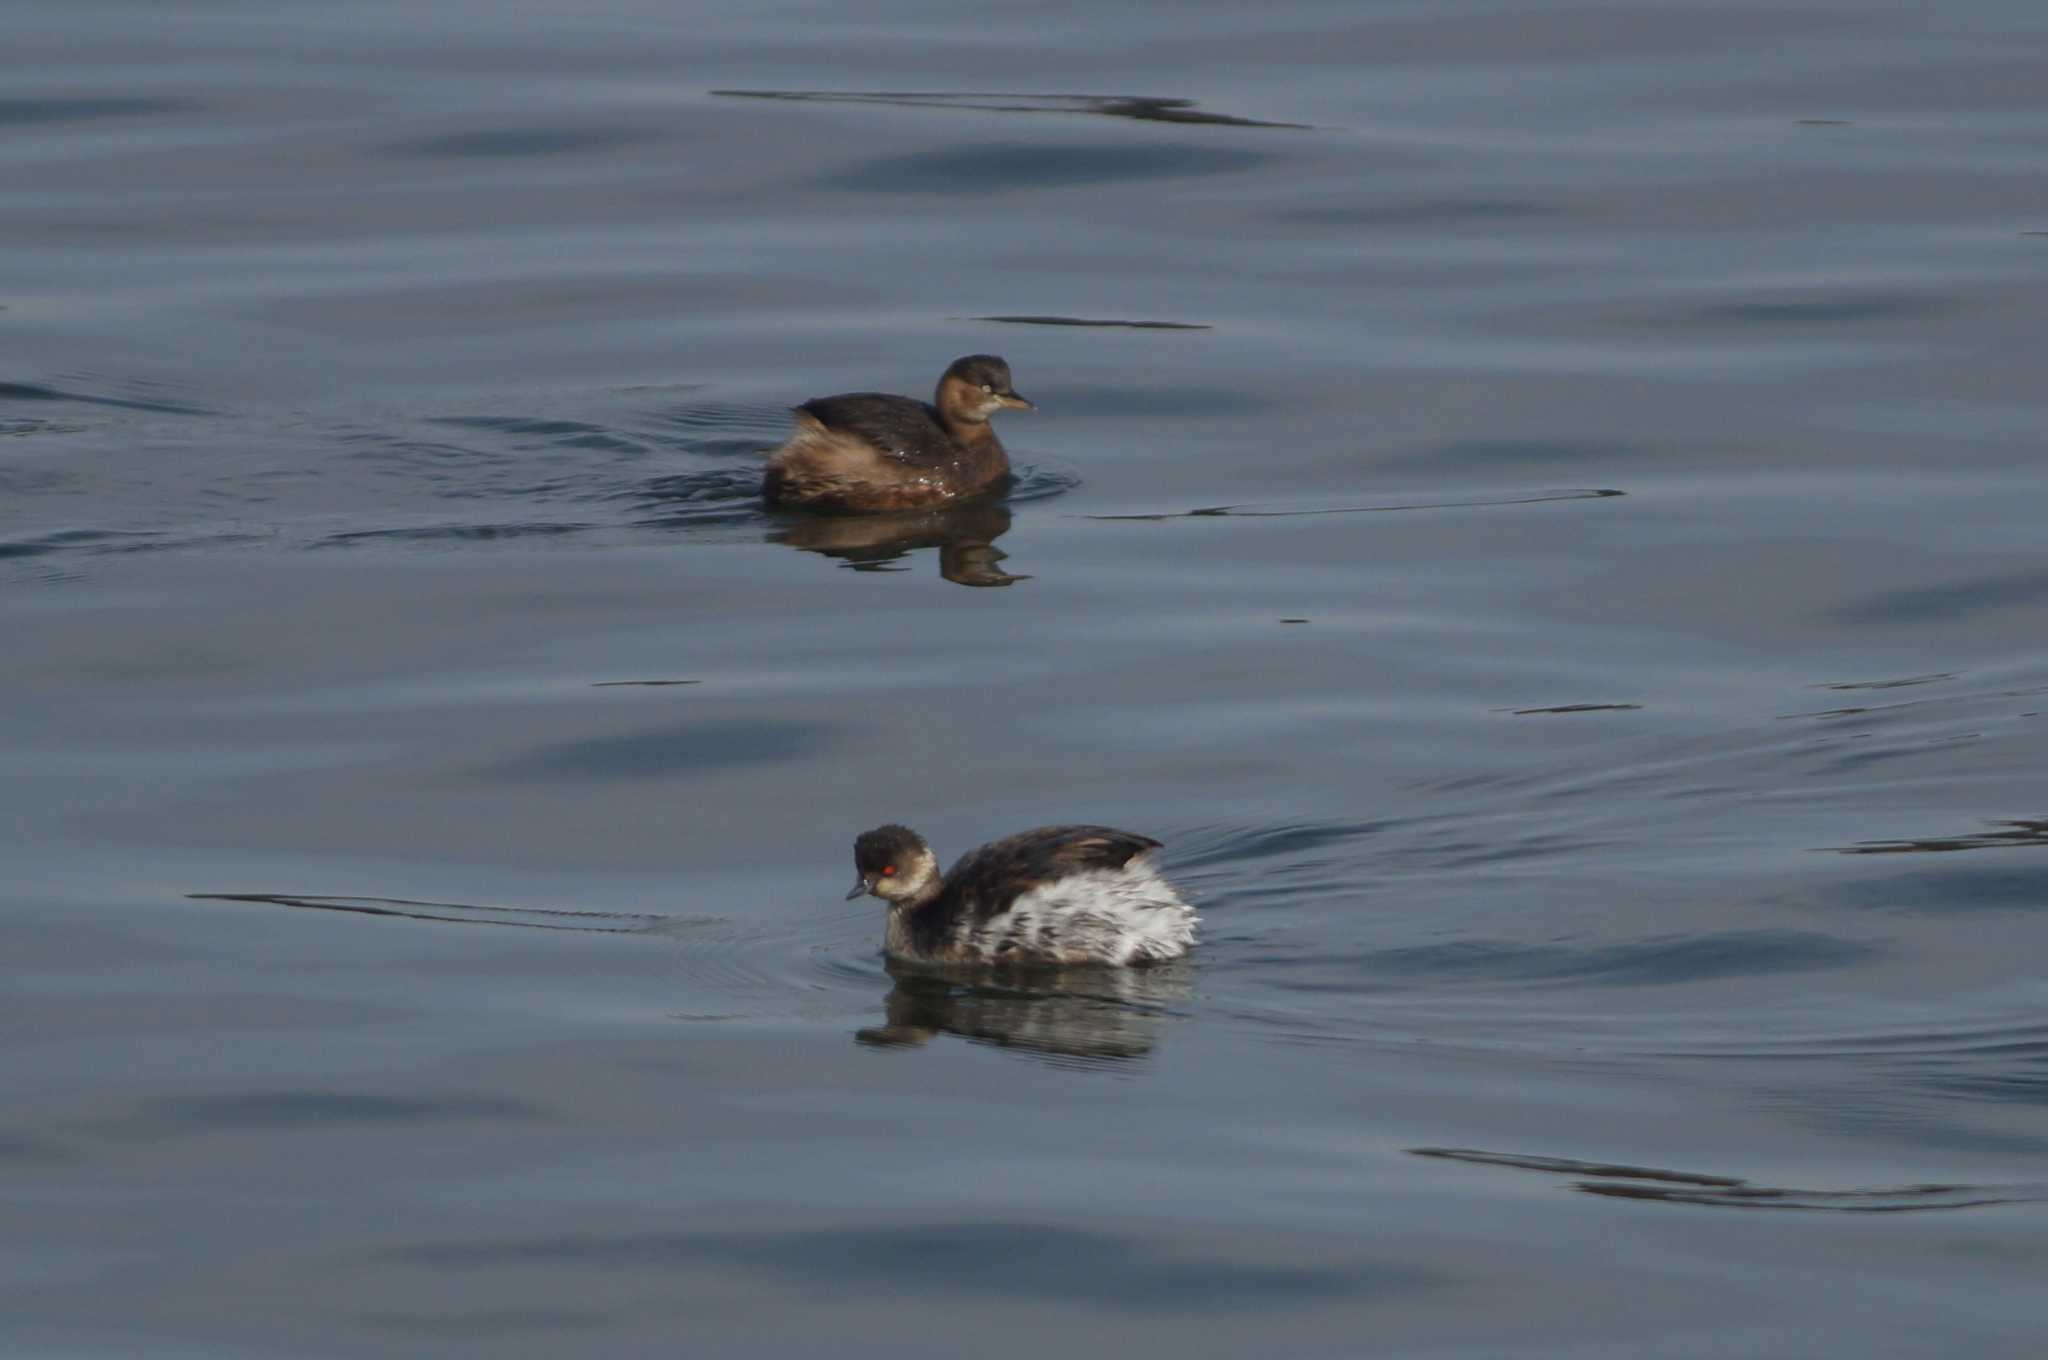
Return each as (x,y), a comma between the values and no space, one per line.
(1537,506)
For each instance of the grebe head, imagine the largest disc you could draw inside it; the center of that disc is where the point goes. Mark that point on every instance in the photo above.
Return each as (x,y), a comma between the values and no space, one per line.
(976,386)
(894,864)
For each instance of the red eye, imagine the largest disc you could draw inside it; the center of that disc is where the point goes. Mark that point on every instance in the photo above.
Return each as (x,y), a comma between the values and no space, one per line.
(888,868)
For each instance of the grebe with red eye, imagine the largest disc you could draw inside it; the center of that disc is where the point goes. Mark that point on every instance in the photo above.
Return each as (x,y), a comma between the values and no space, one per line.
(1058,895)
(862,452)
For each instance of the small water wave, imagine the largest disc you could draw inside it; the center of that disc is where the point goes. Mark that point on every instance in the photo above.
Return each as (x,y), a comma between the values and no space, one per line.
(1948,701)
(1144,108)
(10,391)
(1091,321)
(1657,961)
(728,968)
(1034,167)
(817,965)
(1572,708)
(699,499)
(1432,212)
(124,542)
(25,427)
(1903,683)
(73,540)
(1664,1186)
(534,432)
(23,110)
(515,142)
(2015,834)
(308,1110)
(458,913)
(1860,307)
(1039,482)
(1239,847)
(1934,1040)
(1283,512)
(1276,866)
(452,534)
(722,417)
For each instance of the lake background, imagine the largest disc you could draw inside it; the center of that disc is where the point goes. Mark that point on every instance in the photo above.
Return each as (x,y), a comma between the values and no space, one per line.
(1601,719)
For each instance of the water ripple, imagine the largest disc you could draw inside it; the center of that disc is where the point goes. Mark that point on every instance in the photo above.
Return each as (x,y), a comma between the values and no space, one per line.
(1662,1186)
(1144,108)
(1283,512)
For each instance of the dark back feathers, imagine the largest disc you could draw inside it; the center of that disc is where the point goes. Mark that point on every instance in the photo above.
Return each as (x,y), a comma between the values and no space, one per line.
(998,873)
(899,427)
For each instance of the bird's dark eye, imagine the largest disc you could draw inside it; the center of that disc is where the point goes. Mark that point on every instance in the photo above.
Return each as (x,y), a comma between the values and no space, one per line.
(888,869)
(986,388)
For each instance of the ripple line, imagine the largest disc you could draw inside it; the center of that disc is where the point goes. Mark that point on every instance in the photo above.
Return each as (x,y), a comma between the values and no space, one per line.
(1257,512)
(452,913)
(1663,1186)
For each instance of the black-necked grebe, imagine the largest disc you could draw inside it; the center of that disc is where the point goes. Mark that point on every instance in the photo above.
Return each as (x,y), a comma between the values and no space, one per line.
(1058,895)
(867,451)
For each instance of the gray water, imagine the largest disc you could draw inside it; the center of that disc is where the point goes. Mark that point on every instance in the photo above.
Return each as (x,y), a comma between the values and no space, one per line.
(1597,708)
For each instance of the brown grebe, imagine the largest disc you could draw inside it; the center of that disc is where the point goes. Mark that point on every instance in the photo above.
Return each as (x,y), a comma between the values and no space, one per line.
(868,451)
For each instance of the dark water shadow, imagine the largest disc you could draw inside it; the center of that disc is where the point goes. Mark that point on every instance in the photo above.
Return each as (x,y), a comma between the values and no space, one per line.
(965,536)
(503,143)
(289,1111)
(1274,512)
(2018,833)
(1836,310)
(672,751)
(1571,708)
(32,392)
(993,167)
(76,540)
(1659,961)
(1090,1016)
(22,427)
(486,1324)
(1949,602)
(1945,888)
(1092,321)
(25,1152)
(1143,108)
(1421,212)
(1514,457)
(430,535)
(1955,703)
(1656,1184)
(455,913)
(73,108)
(1903,683)
(968,1258)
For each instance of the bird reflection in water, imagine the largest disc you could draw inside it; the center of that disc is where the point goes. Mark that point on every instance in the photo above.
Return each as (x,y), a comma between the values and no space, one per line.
(964,534)
(1103,1014)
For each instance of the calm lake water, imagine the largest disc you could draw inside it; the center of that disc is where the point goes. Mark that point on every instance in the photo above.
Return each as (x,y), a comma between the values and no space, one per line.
(1562,568)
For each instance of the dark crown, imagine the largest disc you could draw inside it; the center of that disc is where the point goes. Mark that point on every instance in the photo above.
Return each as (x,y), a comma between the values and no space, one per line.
(885,845)
(981,368)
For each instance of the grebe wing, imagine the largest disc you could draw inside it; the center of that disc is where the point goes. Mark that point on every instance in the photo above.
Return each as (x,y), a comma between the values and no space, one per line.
(897,426)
